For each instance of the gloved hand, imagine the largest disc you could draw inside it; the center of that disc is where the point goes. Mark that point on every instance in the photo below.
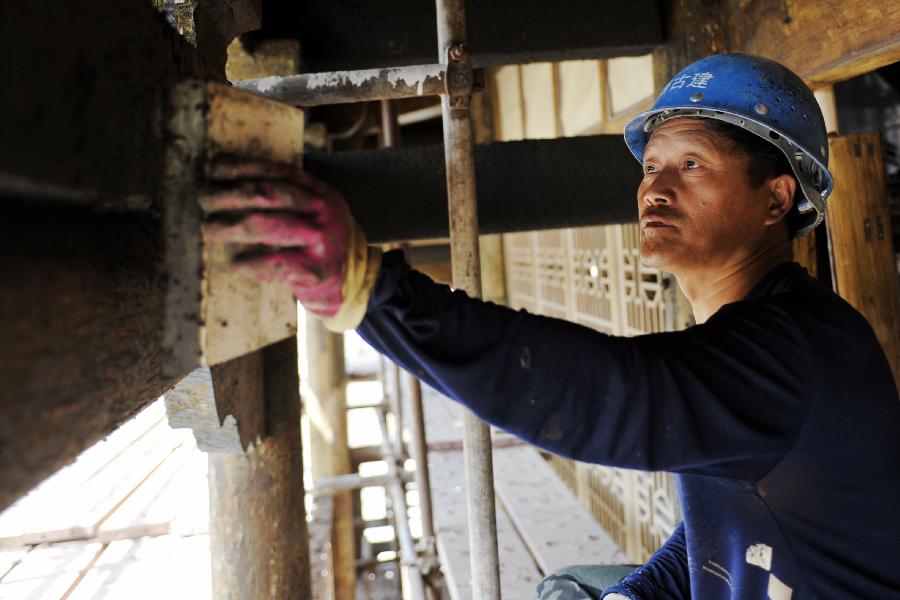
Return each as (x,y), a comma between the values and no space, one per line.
(304,233)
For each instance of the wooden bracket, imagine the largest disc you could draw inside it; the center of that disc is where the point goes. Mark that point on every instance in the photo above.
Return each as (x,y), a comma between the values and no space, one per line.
(224,405)
(209,315)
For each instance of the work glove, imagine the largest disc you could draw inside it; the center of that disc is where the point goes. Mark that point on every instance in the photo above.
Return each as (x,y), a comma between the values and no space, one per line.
(295,228)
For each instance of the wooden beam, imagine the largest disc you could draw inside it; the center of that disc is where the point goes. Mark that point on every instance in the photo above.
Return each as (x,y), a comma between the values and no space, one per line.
(222,405)
(339,35)
(823,42)
(80,347)
(859,223)
(397,194)
(258,537)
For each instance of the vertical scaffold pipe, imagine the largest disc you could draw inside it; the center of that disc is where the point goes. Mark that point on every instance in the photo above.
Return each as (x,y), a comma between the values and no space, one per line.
(459,159)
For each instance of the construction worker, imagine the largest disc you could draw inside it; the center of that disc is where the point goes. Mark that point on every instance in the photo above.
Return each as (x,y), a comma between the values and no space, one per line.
(777,410)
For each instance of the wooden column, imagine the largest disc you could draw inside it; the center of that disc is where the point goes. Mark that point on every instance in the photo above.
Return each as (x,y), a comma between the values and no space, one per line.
(258,537)
(859,227)
(326,408)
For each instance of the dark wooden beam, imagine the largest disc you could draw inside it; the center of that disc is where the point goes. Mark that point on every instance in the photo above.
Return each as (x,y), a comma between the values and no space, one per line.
(359,35)
(80,341)
(401,194)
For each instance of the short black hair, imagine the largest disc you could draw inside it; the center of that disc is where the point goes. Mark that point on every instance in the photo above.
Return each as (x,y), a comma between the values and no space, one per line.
(765,161)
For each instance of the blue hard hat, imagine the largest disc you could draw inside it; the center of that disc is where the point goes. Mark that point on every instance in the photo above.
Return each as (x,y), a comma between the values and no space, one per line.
(760,96)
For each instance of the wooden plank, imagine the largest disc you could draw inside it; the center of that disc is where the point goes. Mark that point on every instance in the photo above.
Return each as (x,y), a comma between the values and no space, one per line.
(154,503)
(859,225)
(44,499)
(823,42)
(48,570)
(557,529)
(162,567)
(97,497)
(519,576)
(10,557)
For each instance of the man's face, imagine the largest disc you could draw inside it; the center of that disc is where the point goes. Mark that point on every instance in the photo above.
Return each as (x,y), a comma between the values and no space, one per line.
(696,205)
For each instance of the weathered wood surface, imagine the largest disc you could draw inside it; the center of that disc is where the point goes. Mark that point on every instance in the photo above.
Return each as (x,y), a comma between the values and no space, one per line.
(210,314)
(80,347)
(339,36)
(223,405)
(102,146)
(258,536)
(823,42)
(859,223)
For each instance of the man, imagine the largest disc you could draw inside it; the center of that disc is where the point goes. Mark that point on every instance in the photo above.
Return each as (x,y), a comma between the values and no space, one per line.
(777,410)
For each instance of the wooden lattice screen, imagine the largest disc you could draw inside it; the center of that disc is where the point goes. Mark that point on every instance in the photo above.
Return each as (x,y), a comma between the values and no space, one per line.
(591,276)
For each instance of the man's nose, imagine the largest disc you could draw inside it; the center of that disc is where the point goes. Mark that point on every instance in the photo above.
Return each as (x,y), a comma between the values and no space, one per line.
(660,191)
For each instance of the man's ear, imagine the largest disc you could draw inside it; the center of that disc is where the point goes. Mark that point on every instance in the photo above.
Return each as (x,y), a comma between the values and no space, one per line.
(781,198)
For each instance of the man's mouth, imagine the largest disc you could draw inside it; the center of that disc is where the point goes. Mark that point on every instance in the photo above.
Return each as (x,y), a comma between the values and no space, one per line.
(655,222)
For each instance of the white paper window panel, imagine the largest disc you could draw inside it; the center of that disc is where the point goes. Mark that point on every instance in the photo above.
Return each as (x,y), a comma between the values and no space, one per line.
(630,80)
(580,107)
(538,101)
(509,103)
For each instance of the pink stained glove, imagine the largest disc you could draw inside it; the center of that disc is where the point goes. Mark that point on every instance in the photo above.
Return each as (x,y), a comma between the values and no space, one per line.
(307,235)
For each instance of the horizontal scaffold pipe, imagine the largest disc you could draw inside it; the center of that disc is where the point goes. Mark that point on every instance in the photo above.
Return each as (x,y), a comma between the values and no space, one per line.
(339,87)
(399,194)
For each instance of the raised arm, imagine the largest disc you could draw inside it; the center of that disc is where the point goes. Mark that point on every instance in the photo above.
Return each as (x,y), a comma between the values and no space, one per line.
(712,399)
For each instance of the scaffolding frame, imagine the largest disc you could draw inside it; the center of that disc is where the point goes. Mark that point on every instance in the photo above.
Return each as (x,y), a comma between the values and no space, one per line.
(454,80)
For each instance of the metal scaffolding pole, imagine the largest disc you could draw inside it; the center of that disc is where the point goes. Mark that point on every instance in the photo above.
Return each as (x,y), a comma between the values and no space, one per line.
(459,158)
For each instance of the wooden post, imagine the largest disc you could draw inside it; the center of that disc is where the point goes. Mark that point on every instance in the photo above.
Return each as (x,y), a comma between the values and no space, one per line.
(258,538)
(859,227)
(326,408)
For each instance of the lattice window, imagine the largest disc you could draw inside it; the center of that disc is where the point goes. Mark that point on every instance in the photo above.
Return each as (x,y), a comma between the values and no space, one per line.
(591,275)
(551,252)
(521,281)
(641,287)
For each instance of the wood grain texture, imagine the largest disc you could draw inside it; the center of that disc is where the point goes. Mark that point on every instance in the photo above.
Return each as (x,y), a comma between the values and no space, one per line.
(80,343)
(822,41)
(223,405)
(258,537)
(859,226)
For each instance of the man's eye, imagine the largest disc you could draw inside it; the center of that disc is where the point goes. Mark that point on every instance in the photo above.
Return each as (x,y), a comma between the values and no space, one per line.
(691,164)
(649,169)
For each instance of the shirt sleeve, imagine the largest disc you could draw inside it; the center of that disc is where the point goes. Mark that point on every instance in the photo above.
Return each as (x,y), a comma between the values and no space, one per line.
(665,576)
(725,398)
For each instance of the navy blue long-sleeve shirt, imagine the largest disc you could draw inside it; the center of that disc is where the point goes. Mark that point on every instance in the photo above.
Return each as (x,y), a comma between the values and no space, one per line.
(779,415)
